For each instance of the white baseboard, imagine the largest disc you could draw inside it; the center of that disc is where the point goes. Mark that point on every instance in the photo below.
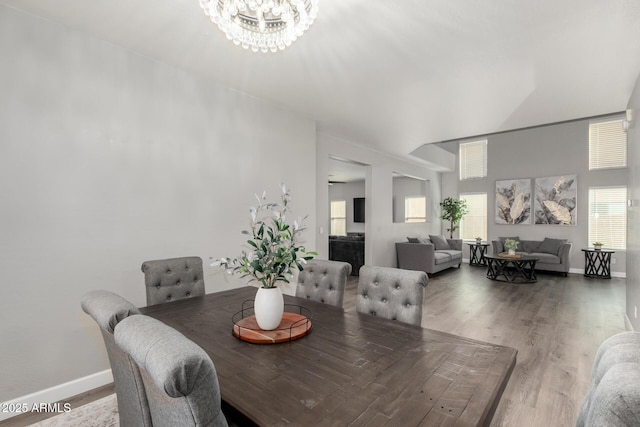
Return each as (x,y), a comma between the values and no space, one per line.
(55,394)
(618,274)
(627,323)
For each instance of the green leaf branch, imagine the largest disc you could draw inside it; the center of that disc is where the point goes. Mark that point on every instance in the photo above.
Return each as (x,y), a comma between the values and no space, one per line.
(273,250)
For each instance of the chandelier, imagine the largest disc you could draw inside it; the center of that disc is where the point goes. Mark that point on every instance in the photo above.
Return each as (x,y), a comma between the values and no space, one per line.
(262,25)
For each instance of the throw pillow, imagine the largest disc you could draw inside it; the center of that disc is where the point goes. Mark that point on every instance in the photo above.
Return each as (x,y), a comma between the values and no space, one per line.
(413,240)
(439,242)
(551,246)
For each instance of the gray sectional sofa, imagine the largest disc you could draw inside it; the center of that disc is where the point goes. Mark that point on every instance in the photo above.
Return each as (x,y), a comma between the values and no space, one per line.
(429,255)
(552,254)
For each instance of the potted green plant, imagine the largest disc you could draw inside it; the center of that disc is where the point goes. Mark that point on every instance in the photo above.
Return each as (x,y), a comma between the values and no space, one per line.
(479,240)
(511,246)
(453,210)
(598,245)
(272,254)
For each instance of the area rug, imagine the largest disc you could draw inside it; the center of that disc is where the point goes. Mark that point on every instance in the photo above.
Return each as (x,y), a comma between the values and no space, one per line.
(100,413)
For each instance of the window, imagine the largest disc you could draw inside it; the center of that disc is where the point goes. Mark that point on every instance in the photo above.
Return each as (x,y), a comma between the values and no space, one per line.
(415,209)
(608,216)
(474,224)
(607,145)
(473,159)
(338,218)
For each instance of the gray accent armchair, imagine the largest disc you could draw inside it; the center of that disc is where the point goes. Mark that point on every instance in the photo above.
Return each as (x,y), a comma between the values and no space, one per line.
(391,293)
(108,309)
(173,279)
(179,377)
(323,281)
(613,399)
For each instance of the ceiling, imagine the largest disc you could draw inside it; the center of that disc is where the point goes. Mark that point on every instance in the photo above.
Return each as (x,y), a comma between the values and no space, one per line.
(344,171)
(396,75)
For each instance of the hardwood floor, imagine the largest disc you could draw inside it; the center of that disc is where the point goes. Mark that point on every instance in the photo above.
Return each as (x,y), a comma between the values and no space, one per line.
(30,418)
(556,324)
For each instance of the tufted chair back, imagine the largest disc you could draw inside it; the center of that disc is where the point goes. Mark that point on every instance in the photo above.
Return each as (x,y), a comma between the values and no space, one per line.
(324,281)
(614,396)
(391,293)
(179,377)
(173,279)
(108,309)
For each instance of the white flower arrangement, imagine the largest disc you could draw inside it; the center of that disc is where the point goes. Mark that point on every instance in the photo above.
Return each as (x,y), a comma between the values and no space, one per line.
(274,249)
(511,244)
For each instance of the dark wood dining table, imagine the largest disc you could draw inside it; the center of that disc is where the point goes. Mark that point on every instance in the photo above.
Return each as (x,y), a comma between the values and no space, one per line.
(351,369)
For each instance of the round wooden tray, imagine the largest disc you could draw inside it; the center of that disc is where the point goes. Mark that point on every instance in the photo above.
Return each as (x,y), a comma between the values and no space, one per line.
(292,327)
(506,255)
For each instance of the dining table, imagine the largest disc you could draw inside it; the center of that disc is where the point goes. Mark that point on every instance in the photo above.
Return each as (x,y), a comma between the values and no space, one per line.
(351,368)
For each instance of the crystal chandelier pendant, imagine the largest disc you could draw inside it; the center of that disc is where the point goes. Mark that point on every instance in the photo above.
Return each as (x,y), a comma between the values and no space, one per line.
(262,25)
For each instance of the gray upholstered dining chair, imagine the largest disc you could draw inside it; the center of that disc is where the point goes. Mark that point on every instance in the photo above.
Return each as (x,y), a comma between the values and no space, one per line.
(108,309)
(323,281)
(179,377)
(173,279)
(614,396)
(391,293)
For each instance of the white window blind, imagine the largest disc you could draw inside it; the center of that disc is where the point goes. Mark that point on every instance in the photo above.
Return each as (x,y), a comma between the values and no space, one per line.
(607,145)
(415,209)
(473,159)
(338,218)
(608,216)
(474,224)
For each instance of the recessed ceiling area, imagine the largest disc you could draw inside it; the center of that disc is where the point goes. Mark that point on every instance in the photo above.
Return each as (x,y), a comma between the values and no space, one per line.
(393,76)
(342,171)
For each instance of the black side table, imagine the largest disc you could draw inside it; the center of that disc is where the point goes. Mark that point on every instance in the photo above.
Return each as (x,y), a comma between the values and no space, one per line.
(597,263)
(477,251)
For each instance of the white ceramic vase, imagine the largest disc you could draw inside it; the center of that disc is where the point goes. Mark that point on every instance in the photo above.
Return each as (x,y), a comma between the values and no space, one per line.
(512,251)
(268,307)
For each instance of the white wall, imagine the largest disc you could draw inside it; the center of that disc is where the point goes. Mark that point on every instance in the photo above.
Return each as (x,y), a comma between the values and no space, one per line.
(381,232)
(633,212)
(108,159)
(404,187)
(560,149)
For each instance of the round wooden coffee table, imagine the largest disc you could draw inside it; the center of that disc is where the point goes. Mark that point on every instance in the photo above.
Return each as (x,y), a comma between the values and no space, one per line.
(511,268)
